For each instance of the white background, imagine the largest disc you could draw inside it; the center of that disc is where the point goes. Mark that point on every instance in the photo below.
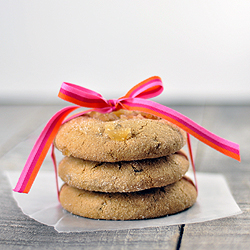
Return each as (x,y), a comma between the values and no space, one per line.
(200,49)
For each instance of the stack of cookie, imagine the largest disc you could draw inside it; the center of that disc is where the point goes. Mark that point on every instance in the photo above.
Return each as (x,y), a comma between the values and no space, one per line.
(123,165)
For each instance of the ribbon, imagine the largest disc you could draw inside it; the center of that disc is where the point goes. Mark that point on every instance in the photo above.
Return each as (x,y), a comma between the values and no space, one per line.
(135,99)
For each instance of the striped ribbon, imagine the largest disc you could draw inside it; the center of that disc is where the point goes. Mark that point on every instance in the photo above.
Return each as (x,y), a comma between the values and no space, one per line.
(135,99)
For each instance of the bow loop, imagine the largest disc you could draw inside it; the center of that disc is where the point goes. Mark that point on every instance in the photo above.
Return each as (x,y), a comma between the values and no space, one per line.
(149,88)
(82,96)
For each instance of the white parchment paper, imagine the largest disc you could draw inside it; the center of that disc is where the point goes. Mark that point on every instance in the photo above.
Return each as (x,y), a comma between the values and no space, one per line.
(214,201)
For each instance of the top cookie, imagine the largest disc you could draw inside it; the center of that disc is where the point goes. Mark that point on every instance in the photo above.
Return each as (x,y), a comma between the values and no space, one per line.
(119,136)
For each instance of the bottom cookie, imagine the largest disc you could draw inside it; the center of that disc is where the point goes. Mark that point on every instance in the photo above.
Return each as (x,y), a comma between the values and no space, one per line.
(150,203)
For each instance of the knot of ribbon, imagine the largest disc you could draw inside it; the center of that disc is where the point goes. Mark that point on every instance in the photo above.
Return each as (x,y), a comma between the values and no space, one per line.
(113,103)
(135,99)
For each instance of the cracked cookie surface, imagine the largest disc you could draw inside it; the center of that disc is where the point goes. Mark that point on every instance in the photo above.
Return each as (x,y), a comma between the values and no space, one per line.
(123,176)
(150,203)
(119,136)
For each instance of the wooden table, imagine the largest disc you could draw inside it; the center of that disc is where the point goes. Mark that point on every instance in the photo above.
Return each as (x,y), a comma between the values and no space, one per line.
(18,231)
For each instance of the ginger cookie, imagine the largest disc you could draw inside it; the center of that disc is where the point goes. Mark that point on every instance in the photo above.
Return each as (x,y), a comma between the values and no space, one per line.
(128,176)
(119,136)
(149,203)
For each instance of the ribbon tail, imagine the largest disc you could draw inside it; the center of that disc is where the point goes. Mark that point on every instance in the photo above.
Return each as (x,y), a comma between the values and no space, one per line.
(40,150)
(224,146)
(52,154)
(192,160)
(53,157)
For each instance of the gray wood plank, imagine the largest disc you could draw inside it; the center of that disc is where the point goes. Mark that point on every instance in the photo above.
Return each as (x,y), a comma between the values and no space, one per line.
(232,123)
(18,231)
(17,122)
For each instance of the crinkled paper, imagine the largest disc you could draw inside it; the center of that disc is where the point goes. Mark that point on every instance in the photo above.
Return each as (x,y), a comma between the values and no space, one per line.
(214,201)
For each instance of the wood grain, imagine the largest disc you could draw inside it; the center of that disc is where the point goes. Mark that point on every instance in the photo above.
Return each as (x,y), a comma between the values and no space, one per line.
(18,231)
(232,123)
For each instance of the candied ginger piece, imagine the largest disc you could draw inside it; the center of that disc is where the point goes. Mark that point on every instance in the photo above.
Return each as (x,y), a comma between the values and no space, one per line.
(117,132)
(66,152)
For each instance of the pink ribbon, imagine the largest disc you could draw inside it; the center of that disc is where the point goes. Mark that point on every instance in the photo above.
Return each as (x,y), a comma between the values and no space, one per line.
(135,99)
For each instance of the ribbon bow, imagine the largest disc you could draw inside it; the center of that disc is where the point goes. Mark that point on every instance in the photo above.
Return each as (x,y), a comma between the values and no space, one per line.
(135,99)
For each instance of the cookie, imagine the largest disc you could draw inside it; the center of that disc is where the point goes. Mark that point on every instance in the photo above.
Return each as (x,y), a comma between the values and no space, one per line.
(127,176)
(119,136)
(150,203)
